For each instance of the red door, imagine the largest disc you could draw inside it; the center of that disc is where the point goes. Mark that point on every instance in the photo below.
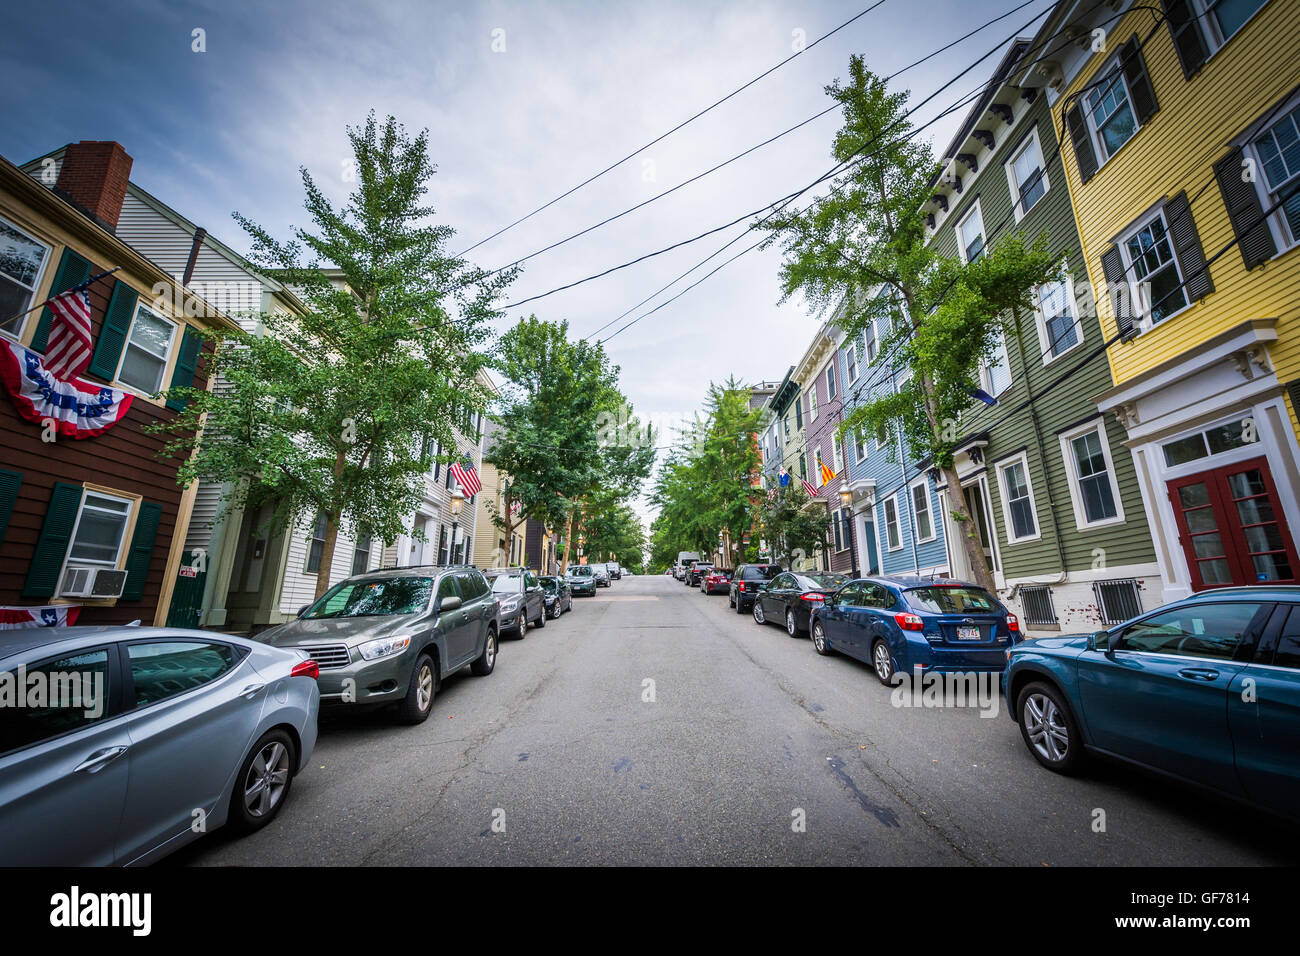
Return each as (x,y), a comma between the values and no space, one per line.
(1231,527)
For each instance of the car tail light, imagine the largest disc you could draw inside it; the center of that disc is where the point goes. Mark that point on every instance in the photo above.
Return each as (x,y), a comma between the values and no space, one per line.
(740,586)
(813,597)
(306,669)
(1013,623)
(909,622)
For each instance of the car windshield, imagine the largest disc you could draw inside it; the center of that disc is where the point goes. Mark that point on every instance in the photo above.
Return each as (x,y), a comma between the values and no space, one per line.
(373,597)
(951,599)
(549,584)
(581,571)
(825,582)
(507,583)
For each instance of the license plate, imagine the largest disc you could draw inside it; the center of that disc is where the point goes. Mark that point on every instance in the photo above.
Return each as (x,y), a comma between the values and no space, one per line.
(968,633)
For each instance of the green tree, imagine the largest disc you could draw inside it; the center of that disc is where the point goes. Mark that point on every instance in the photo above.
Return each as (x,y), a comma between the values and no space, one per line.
(334,411)
(862,248)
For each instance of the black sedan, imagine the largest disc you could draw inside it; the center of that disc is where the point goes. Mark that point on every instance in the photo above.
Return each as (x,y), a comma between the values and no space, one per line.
(790,597)
(557,595)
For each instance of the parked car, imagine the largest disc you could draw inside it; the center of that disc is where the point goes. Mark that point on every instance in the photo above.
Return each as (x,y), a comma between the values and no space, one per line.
(1206,690)
(745,581)
(601,574)
(696,572)
(154,729)
(556,595)
(899,623)
(615,572)
(791,596)
(715,581)
(521,600)
(581,580)
(391,637)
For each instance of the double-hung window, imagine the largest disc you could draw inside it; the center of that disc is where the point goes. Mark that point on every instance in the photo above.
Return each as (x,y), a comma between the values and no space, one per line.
(316,544)
(970,233)
(921,511)
(1018,500)
(1278,149)
(1110,113)
(812,403)
(995,372)
(1059,327)
(1026,175)
(100,530)
(144,360)
(860,443)
(893,531)
(830,382)
(871,345)
(1093,489)
(1153,269)
(22,261)
(851,362)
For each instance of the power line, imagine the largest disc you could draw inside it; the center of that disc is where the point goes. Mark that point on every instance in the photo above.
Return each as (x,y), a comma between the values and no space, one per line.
(684,123)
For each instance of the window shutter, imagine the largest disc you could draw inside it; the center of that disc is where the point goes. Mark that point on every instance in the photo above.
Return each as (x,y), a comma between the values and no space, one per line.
(10,481)
(141,553)
(1112,266)
(1187,246)
(187,362)
(112,335)
(1140,89)
(1186,35)
(1085,153)
(1254,238)
(52,546)
(73,270)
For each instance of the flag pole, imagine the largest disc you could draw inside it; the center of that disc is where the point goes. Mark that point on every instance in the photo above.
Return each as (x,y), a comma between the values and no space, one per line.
(76,288)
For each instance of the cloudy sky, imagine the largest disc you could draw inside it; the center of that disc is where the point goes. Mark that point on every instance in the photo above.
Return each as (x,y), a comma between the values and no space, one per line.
(523,101)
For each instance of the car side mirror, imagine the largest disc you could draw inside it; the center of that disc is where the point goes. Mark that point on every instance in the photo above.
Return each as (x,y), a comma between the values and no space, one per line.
(1099,641)
(450,603)
(303,610)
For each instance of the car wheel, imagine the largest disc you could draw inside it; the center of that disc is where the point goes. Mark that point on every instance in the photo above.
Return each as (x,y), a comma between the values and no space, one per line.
(883,662)
(759,616)
(488,659)
(418,702)
(791,625)
(1049,728)
(819,639)
(263,783)
(555,611)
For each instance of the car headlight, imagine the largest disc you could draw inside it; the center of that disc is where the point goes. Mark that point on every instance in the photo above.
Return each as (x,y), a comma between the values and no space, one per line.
(510,604)
(384,647)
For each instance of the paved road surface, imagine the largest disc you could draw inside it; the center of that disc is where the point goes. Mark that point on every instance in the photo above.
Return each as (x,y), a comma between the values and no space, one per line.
(747,726)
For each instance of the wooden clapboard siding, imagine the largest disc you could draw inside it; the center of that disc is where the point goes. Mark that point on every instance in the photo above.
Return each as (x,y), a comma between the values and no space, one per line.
(1176,151)
(1057,407)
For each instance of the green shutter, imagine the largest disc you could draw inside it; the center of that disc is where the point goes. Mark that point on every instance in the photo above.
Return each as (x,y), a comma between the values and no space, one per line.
(142,542)
(9,484)
(187,363)
(52,546)
(73,270)
(112,336)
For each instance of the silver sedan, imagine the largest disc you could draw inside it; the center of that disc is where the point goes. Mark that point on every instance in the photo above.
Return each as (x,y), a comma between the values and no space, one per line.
(119,745)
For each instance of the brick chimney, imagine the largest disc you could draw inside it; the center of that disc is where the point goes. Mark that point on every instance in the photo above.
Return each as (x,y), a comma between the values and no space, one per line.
(94,175)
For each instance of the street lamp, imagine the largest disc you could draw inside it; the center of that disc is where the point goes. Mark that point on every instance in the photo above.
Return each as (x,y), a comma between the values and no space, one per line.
(457,502)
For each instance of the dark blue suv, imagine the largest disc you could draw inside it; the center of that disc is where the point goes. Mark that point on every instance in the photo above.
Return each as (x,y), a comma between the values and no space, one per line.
(900,623)
(1206,689)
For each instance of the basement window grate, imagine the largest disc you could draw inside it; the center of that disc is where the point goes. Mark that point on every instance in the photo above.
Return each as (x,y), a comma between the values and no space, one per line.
(1117,600)
(1037,603)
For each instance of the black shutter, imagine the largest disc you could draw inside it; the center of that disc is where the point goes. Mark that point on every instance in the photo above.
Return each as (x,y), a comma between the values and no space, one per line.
(1187,246)
(1085,153)
(10,481)
(112,334)
(56,534)
(1121,296)
(73,270)
(1140,90)
(1254,238)
(141,553)
(1186,34)
(187,363)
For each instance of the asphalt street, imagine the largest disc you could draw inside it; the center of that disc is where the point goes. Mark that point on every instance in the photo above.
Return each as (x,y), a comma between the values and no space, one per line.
(565,754)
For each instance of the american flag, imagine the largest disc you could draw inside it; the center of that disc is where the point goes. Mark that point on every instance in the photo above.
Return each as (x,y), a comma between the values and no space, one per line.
(514,507)
(812,492)
(466,477)
(67,350)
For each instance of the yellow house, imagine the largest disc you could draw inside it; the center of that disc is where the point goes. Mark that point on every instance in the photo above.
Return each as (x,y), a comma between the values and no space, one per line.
(1181,147)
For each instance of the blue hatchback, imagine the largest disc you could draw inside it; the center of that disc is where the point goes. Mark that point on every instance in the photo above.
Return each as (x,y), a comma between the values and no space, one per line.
(901,623)
(1206,690)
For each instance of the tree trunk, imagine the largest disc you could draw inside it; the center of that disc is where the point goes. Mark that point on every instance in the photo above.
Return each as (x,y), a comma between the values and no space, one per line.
(327,554)
(568,541)
(510,529)
(969,534)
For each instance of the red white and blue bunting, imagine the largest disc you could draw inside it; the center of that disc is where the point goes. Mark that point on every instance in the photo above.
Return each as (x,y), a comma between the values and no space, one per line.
(54,615)
(79,409)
